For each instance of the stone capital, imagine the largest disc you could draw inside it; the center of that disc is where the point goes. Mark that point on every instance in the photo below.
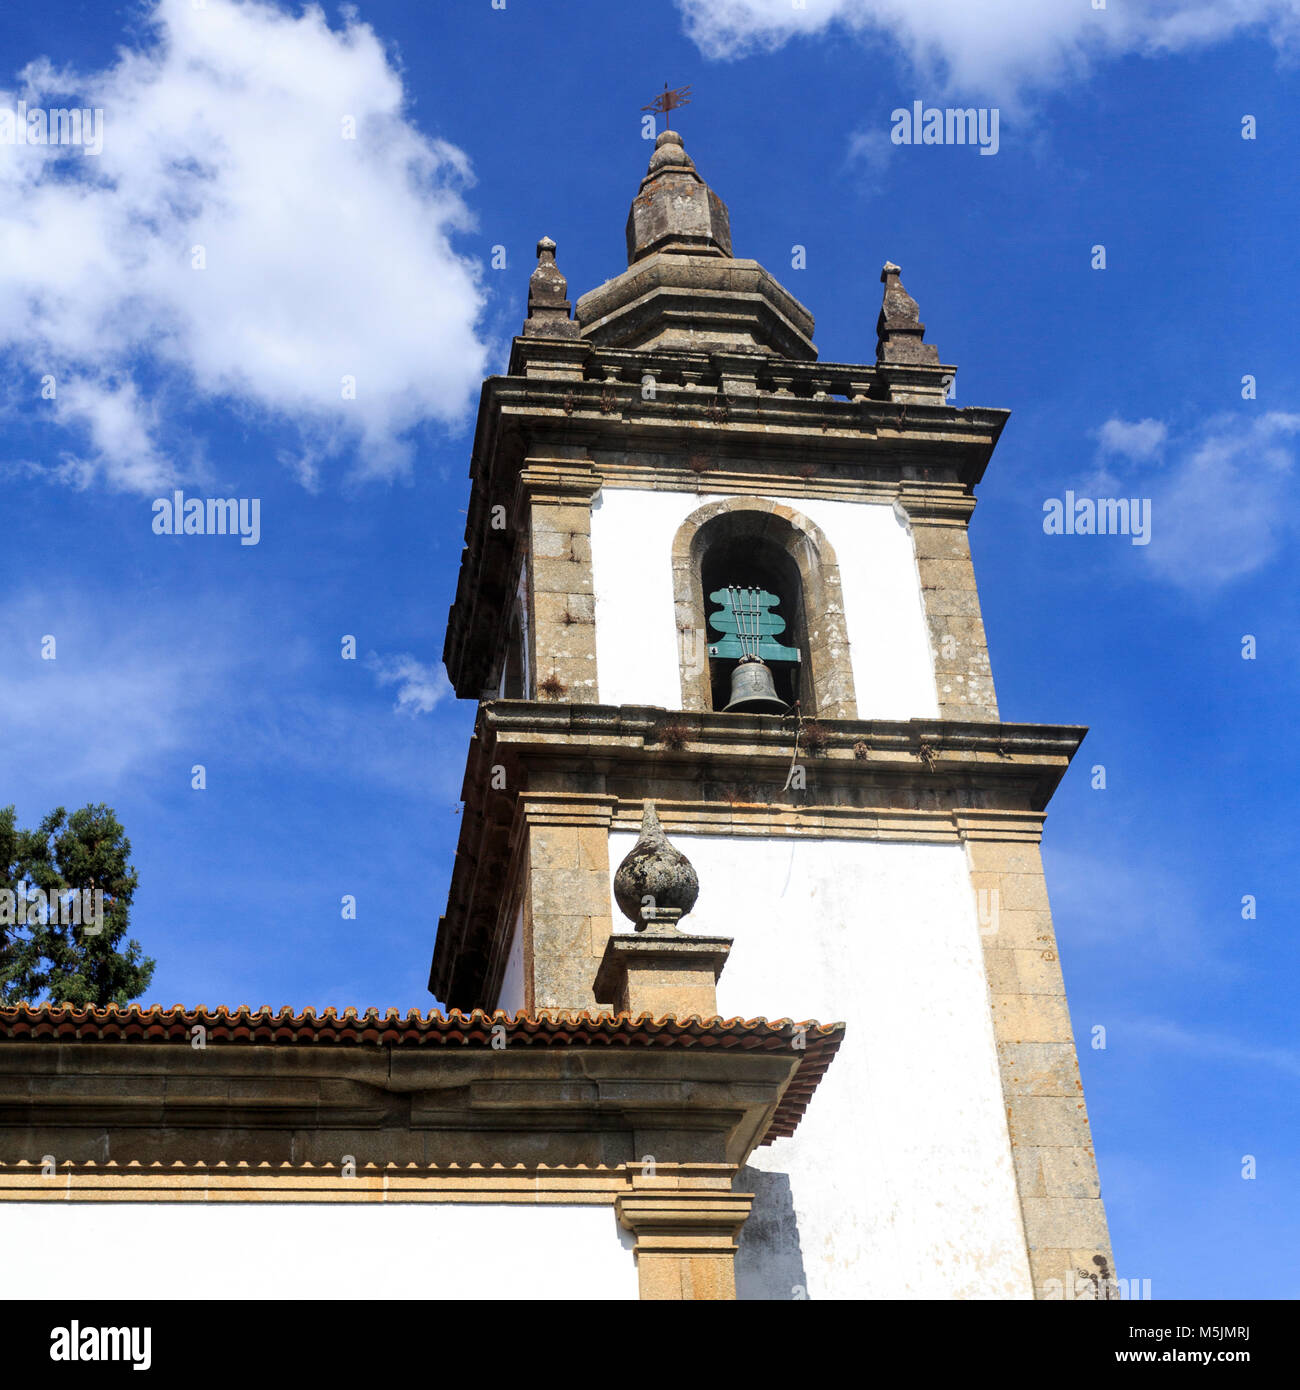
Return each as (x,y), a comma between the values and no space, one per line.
(686,1240)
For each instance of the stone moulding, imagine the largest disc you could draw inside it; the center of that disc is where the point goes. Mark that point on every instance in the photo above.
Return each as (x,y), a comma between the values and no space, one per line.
(221,1181)
(590,768)
(665,299)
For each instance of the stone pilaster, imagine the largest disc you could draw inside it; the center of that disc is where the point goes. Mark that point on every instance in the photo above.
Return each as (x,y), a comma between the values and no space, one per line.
(556,498)
(686,1237)
(963,676)
(1051,1144)
(567,918)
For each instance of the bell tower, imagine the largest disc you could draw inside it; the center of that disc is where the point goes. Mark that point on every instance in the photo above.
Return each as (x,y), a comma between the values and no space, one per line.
(716,589)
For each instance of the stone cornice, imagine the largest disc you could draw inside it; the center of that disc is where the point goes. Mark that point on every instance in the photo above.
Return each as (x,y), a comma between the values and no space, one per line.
(895,439)
(938,756)
(601,1099)
(745,401)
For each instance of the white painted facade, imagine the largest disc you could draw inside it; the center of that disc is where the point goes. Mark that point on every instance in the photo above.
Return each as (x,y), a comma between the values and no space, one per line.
(632,533)
(394,1250)
(511,996)
(898,1182)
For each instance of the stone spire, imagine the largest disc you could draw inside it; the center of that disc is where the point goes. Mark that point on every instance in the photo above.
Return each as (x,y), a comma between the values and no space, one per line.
(683,291)
(548,308)
(655,885)
(675,210)
(899,330)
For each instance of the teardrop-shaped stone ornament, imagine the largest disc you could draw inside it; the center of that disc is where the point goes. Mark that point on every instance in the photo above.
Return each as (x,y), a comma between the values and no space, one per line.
(655,885)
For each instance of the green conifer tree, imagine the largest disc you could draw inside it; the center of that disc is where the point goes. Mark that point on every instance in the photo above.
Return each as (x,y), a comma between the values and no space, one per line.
(41,954)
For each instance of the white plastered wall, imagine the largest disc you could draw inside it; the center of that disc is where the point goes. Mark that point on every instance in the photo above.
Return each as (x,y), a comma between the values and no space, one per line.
(356,1250)
(899,1181)
(511,998)
(632,533)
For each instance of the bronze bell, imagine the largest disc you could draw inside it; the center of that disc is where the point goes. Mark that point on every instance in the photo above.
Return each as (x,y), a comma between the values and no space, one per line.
(752,688)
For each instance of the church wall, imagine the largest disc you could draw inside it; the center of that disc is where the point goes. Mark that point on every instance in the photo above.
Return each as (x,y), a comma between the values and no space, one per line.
(899,1181)
(512,997)
(387,1250)
(632,532)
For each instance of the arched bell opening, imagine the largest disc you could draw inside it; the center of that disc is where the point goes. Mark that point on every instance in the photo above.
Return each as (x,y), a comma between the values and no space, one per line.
(756,544)
(754,609)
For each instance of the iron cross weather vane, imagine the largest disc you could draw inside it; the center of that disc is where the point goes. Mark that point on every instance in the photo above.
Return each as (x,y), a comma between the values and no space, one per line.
(669,100)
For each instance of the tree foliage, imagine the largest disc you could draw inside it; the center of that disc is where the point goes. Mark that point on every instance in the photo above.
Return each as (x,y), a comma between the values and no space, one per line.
(46,950)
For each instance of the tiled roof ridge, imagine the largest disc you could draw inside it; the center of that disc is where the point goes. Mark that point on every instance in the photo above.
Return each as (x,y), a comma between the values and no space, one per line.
(17,1019)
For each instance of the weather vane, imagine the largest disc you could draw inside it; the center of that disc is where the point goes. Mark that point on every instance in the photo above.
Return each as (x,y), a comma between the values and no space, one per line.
(669,100)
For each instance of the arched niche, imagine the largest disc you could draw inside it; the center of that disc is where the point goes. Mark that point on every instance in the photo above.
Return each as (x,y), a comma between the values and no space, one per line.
(762,538)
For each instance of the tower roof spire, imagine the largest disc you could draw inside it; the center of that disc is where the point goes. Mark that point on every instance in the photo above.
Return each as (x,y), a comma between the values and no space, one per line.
(683,290)
(674,209)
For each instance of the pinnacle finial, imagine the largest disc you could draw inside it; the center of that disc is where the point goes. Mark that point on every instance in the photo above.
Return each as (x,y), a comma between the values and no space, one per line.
(548,307)
(655,885)
(899,330)
(670,153)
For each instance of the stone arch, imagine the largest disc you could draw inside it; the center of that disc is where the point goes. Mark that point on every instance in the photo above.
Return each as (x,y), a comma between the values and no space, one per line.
(828,680)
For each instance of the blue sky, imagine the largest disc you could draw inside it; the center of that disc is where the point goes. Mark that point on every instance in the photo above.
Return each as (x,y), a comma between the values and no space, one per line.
(481,128)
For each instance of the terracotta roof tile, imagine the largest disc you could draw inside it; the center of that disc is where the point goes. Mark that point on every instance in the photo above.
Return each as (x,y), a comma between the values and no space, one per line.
(60,1023)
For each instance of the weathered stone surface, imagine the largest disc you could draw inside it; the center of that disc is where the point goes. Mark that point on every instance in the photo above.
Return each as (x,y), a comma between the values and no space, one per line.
(1046,1118)
(655,885)
(683,289)
(662,975)
(899,330)
(548,308)
(680,302)
(675,210)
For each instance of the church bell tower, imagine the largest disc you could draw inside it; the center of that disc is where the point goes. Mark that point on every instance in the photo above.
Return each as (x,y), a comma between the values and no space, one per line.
(716,586)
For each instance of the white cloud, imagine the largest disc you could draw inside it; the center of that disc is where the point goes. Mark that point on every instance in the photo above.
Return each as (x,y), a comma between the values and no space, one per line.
(118,694)
(1227,507)
(871,150)
(996,47)
(420,685)
(133,699)
(1222,504)
(1138,440)
(326,257)
(1202,1043)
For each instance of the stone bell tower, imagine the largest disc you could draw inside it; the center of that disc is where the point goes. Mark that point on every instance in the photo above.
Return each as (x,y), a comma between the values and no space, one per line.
(707,571)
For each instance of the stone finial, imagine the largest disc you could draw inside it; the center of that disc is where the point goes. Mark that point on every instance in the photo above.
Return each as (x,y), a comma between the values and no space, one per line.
(659,971)
(675,210)
(899,330)
(655,885)
(670,149)
(548,308)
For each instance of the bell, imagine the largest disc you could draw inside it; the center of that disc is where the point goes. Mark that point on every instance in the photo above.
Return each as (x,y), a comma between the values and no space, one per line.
(752,688)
